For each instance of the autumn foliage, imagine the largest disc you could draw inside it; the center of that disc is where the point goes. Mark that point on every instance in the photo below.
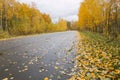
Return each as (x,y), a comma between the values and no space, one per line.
(101,16)
(21,19)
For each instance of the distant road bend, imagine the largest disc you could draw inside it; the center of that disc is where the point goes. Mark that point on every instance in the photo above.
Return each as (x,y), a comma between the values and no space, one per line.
(36,57)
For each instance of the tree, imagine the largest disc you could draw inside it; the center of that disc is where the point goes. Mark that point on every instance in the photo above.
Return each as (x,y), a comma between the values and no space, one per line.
(100,16)
(1,6)
(62,25)
(21,19)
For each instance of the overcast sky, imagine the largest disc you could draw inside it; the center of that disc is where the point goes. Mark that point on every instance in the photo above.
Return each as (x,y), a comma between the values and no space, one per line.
(66,9)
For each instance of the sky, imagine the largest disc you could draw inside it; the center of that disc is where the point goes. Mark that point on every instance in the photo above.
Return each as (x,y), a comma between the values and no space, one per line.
(65,9)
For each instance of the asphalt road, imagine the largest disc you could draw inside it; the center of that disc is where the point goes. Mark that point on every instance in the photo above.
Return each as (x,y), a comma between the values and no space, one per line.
(36,57)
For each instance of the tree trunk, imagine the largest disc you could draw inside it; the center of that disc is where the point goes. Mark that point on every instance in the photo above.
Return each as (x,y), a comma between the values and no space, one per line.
(6,22)
(1,20)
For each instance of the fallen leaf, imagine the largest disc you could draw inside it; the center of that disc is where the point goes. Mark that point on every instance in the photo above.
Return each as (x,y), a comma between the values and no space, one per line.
(46,78)
(5,79)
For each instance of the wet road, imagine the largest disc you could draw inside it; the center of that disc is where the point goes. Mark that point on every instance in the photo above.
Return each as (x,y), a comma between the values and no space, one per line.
(36,57)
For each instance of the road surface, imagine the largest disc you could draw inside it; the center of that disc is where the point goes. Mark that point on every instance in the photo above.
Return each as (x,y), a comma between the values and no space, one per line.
(36,57)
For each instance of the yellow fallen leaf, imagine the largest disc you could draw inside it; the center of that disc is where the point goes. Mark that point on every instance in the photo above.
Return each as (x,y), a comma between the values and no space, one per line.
(46,78)
(56,67)
(5,79)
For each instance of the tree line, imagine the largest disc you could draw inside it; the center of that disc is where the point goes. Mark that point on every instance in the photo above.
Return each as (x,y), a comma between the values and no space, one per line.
(101,16)
(21,19)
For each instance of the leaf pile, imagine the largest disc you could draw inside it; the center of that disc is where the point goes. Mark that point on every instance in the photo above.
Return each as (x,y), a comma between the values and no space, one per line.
(97,60)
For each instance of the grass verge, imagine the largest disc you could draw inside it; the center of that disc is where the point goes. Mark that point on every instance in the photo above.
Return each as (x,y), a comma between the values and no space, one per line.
(4,34)
(97,58)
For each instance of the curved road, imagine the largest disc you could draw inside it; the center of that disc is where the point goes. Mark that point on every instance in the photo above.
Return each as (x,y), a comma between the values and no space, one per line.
(36,57)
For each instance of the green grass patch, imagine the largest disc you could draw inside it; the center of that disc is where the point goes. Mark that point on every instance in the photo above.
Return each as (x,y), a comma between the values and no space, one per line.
(100,38)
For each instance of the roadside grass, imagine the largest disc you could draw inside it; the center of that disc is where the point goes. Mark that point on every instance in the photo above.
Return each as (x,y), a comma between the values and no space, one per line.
(97,58)
(4,34)
(100,38)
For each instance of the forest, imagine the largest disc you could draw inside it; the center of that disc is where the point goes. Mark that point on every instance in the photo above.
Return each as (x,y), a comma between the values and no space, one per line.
(22,19)
(87,49)
(102,16)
